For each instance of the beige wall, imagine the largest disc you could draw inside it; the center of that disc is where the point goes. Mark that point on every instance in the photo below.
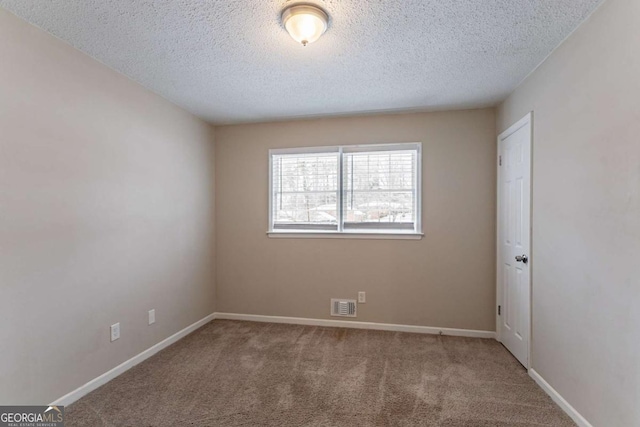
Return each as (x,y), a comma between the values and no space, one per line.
(446,279)
(586,214)
(106,211)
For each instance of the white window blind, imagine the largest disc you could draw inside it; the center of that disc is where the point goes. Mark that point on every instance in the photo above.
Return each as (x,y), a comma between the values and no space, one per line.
(350,189)
(380,190)
(305,191)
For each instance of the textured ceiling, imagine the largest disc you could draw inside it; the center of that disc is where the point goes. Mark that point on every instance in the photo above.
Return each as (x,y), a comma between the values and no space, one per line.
(231,61)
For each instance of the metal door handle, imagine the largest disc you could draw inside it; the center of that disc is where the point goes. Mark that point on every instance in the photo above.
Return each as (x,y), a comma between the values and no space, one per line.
(522,258)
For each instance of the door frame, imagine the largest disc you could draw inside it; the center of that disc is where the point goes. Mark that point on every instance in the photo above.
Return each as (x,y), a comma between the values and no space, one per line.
(527,120)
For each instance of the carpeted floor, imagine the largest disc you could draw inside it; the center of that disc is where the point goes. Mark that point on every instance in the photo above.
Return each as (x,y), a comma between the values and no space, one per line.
(231,373)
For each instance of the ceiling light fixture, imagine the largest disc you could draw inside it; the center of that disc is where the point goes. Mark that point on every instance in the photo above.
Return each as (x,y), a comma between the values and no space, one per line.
(304,22)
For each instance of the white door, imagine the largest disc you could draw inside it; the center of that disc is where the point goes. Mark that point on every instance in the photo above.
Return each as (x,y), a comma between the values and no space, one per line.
(514,223)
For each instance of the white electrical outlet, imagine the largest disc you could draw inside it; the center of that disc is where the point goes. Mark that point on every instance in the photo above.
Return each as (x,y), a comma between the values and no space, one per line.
(152,316)
(362,297)
(115,331)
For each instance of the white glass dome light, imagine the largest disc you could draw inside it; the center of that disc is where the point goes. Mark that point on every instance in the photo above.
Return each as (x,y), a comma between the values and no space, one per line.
(305,23)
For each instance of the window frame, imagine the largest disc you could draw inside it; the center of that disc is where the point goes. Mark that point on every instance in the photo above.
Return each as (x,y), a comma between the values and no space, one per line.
(411,234)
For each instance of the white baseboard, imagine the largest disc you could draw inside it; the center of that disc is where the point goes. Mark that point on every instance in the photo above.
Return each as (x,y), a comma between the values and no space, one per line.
(556,397)
(81,391)
(357,325)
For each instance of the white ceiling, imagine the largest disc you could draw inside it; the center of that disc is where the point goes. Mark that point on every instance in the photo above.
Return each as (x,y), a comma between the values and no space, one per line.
(231,61)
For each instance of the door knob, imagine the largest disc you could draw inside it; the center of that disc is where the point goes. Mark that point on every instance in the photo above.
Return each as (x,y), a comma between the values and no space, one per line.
(522,258)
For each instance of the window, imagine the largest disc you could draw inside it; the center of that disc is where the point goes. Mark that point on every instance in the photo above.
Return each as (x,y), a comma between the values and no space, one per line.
(346,190)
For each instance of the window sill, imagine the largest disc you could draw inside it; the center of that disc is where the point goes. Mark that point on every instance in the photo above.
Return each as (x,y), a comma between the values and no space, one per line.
(344,235)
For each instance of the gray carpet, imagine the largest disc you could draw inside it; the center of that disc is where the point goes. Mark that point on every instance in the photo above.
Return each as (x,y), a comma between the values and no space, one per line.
(231,373)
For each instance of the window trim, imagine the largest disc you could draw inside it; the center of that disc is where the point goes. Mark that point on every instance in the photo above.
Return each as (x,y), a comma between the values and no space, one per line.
(413,234)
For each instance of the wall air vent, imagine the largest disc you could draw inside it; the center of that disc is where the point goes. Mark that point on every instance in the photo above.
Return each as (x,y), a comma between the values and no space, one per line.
(343,307)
